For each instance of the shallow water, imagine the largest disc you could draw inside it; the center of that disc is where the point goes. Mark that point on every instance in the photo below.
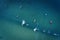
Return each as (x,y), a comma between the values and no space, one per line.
(14,11)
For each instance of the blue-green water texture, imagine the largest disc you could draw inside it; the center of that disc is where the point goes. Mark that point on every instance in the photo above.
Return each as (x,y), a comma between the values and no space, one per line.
(45,12)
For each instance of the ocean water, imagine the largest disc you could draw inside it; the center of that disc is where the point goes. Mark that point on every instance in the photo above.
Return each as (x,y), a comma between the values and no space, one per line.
(41,20)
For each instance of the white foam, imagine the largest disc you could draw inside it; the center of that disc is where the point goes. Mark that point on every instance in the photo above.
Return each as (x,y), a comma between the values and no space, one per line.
(35,29)
(23,22)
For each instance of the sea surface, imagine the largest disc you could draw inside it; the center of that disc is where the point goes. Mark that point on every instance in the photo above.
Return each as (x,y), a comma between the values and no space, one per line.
(41,20)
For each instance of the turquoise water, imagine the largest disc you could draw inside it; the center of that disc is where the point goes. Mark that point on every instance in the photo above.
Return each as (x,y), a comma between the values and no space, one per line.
(10,24)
